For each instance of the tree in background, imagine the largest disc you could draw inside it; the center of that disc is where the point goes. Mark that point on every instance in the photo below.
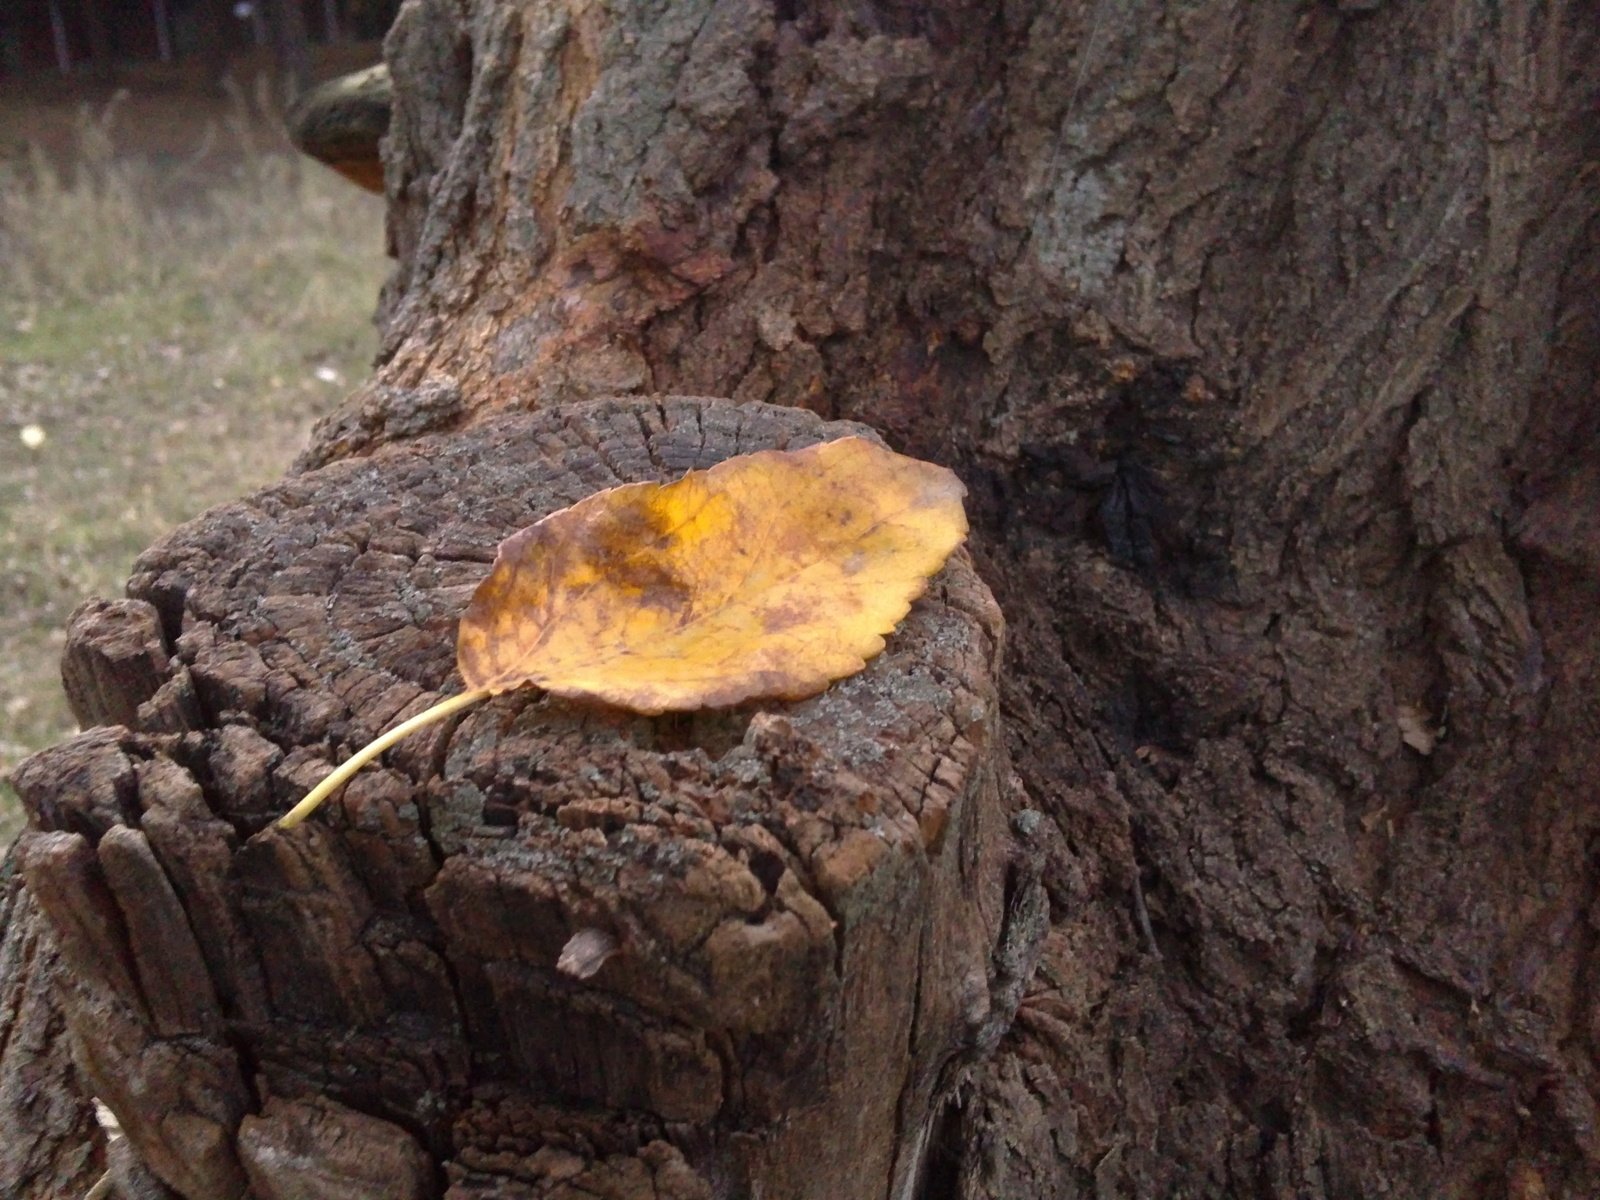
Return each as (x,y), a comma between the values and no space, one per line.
(66,35)
(291,49)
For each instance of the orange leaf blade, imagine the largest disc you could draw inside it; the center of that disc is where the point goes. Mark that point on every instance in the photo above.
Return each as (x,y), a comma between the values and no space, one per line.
(769,575)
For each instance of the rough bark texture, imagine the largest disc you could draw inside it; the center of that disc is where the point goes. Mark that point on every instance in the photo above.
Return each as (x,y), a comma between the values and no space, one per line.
(1264,335)
(555,950)
(52,1144)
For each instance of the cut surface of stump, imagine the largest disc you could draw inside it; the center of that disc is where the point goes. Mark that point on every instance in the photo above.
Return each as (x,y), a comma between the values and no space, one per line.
(553,948)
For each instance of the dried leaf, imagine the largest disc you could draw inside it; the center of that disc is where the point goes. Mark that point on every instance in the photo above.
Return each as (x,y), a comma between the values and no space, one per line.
(771,574)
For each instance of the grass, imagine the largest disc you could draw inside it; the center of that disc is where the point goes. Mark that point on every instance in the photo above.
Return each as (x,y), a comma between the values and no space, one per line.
(168,331)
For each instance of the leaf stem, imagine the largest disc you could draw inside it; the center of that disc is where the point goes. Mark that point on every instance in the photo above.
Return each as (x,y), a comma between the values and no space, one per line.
(342,773)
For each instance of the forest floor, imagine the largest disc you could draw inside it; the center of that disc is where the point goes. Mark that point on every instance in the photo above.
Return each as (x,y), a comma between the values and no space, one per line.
(180,297)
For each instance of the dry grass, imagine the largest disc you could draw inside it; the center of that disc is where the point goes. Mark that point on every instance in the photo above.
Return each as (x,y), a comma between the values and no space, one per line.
(170,328)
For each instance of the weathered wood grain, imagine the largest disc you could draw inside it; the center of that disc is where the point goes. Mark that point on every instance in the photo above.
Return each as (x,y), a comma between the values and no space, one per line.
(51,1144)
(812,911)
(114,661)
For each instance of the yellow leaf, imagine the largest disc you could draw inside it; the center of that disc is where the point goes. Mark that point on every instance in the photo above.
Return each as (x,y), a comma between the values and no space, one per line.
(771,574)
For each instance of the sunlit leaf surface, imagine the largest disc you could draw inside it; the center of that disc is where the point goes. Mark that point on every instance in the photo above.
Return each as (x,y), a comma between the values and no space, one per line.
(769,575)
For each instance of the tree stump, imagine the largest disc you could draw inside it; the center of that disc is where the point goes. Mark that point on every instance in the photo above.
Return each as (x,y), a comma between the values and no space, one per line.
(51,1143)
(555,949)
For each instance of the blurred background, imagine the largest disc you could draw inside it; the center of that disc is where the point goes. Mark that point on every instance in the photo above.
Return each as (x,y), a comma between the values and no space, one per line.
(181,293)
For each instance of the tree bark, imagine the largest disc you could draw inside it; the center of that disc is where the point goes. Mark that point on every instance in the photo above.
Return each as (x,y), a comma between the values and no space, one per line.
(52,1145)
(556,948)
(1264,337)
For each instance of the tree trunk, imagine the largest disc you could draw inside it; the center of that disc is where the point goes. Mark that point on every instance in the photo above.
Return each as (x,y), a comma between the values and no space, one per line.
(291,47)
(216,35)
(1264,338)
(98,32)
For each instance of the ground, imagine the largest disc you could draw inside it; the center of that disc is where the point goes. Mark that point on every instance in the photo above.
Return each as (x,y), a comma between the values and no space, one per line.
(183,297)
